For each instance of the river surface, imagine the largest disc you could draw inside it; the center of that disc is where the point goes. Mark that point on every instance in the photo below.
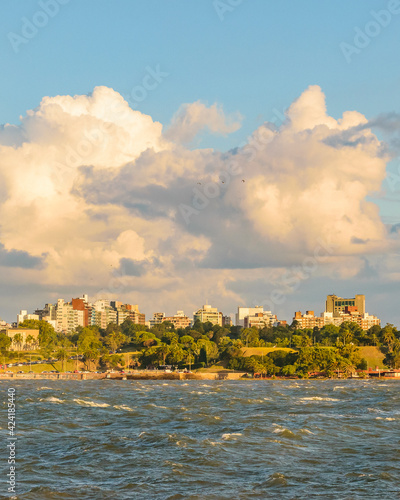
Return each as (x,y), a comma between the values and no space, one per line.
(214,440)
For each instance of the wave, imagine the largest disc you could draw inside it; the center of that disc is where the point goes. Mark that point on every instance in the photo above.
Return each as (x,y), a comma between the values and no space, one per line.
(123,407)
(52,399)
(90,403)
(318,398)
(231,435)
(275,479)
(284,432)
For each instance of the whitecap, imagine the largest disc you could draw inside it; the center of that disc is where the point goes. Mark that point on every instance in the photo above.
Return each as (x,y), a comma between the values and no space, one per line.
(123,407)
(52,399)
(90,403)
(231,435)
(318,398)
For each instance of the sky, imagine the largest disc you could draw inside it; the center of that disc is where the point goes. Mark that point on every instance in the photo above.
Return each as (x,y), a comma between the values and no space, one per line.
(172,153)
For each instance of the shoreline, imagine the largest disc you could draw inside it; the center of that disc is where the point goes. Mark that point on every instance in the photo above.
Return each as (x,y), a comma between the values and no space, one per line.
(145,375)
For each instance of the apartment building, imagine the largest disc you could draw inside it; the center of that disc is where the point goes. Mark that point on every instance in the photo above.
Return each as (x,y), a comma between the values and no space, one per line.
(208,313)
(25,333)
(337,311)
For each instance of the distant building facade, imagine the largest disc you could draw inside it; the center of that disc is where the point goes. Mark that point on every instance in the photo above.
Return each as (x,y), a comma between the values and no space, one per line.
(29,338)
(337,311)
(335,304)
(65,317)
(227,321)
(208,313)
(179,320)
(254,316)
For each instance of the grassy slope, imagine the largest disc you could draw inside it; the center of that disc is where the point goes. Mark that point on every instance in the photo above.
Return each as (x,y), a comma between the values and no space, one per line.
(373,355)
(262,351)
(69,366)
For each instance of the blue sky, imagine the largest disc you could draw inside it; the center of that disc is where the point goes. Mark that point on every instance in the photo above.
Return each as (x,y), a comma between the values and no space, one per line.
(259,58)
(253,59)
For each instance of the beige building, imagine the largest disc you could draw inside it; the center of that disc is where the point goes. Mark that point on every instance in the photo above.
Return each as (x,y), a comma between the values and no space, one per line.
(208,313)
(179,320)
(339,310)
(260,320)
(25,333)
(308,320)
(335,304)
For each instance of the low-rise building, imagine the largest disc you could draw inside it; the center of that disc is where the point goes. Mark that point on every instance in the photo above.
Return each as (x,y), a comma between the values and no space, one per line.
(208,313)
(24,316)
(338,311)
(247,317)
(244,312)
(179,320)
(260,320)
(27,338)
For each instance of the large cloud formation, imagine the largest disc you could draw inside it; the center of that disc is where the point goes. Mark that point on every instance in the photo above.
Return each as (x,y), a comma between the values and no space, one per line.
(96,197)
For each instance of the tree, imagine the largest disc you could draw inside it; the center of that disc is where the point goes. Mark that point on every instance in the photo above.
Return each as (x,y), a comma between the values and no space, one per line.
(163,350)
(62,355)
(329,333)
(195,334)
(112,360)
(250,336)
(388,336)
(30,339)
(175,354)
(18,340)
(346,335)
(374,339)
(114,340)
(91,348)
(187,341)
(169,337)
(208,350)
(5,343)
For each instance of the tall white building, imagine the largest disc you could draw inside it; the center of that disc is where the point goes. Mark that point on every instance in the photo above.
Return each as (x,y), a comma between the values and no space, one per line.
(23,315)
(243,312)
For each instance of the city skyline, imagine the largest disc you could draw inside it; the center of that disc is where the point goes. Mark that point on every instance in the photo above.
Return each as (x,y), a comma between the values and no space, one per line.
(212,165)
(66,316)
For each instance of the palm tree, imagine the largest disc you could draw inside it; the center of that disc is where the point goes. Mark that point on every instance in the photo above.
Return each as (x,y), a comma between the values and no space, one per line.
(163,349)
(388,338)
(29,341)
(347,336)
(62,354)
(18,339)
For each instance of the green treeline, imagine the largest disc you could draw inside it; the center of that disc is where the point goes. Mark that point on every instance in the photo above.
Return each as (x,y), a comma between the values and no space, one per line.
(328,350)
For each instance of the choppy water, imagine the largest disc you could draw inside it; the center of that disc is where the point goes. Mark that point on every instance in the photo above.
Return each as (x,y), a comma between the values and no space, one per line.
(206,440)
